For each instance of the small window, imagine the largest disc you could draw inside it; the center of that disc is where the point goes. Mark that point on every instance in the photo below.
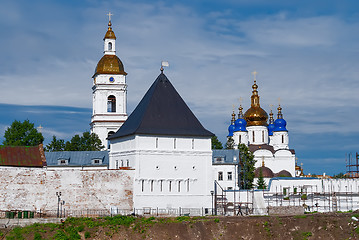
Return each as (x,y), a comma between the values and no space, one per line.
(253,137)
(96,161)
(116,164)
(63,162)
(192,143)
(127,163)
(187,185)
(229,188)
(170,186)
(229,176)
(156,142)
(110,46)
(121,163)
(151,185)
(161,185)
(179,186)
(174,143)
(219,159)
(142,185)
(240,138)
(282,138)
(220,176)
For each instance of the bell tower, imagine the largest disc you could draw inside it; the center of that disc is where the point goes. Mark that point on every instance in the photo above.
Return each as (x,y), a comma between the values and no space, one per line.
(109,91)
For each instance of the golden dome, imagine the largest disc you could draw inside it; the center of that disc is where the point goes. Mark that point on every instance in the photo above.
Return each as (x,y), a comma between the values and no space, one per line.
(255,115)
(109,34)
(110,64)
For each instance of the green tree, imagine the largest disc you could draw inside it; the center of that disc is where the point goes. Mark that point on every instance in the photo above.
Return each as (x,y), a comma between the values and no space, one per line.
(87,142)
(261,184)
(216,144)
(22,134)
(55,145)
(339,175)
(230,143)
(247,168)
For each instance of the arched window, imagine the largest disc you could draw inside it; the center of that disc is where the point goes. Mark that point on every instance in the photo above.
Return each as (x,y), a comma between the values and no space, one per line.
(111,104)
(253,137)
(240,138)
(174,143)
(127,163)
(282,138)
(192,143)
(151,185)
(179,186)
(110,46)
(108,142)
(142,185)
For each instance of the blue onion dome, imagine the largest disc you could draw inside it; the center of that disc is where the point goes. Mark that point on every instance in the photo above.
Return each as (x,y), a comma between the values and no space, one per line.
(280,124)
(240,123)
(232,126)
(271,124)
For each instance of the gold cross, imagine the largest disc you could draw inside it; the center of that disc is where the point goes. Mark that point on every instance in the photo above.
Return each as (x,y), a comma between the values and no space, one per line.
(279,101)
(233,107)
(271,106)
(255,75)
(240,100)
(109,16)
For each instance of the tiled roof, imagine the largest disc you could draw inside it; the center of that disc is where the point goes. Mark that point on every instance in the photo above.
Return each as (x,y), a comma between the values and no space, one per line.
(77,158)
(22,156)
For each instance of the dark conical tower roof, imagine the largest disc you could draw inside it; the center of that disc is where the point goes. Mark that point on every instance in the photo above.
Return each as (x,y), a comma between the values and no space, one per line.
(162,111)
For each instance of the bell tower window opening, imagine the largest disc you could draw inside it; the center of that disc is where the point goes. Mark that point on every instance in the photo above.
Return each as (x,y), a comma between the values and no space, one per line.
(151,185)
(192,143)
(179,186)
(253,137)
(111,104)
(174,143)
(170,186)
(187,185)
(142,185)
(240,138)
(110,46)
(282,138)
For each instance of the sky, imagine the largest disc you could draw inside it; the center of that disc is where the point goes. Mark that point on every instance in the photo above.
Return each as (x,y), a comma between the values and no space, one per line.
(305,52)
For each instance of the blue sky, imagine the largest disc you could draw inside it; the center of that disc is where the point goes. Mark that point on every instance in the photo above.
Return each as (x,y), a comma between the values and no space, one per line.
(306,53)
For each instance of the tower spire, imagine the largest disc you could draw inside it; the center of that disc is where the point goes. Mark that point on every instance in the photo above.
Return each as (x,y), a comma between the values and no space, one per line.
(280,115)
(255,96)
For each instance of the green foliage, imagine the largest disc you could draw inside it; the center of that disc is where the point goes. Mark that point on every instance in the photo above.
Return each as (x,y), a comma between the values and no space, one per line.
(55,145)
(87,234)
(37,236)
(87,142)
(300,216)
(22,134)
(216,144)
(304,197)
(183,218)
(339,175)
(216,220)
(306,235)
(247,163)
(230,143)
(261,184)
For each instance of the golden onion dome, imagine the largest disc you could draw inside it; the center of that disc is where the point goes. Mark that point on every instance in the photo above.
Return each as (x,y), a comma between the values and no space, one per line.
(255,115)
(109,34)
(110,64)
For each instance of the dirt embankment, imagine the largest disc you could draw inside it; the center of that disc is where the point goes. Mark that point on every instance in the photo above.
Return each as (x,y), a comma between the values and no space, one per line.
(309,226)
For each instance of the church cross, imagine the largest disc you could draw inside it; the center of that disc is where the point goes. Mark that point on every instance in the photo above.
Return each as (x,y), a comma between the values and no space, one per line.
(109,16)
(255,75)
(40,128)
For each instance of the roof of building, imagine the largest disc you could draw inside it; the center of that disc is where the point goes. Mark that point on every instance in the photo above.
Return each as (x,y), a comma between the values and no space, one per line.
(22,156)
(225,156)
(77,158)
(109,34)
(109,64)
(283,173)
(162,111)
(266,172)
(253,148)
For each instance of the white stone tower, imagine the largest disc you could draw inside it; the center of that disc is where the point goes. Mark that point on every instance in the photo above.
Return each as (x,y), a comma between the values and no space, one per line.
(109,91)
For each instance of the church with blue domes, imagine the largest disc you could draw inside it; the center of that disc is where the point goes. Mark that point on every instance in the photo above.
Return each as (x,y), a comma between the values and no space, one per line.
(267,139)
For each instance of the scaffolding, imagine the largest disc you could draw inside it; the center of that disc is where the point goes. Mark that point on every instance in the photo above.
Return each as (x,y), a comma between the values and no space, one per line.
(352,165)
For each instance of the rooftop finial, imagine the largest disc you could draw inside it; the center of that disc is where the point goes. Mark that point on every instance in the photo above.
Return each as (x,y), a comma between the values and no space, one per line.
(255,76)
(164,64)
(233,117)
(109,14)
